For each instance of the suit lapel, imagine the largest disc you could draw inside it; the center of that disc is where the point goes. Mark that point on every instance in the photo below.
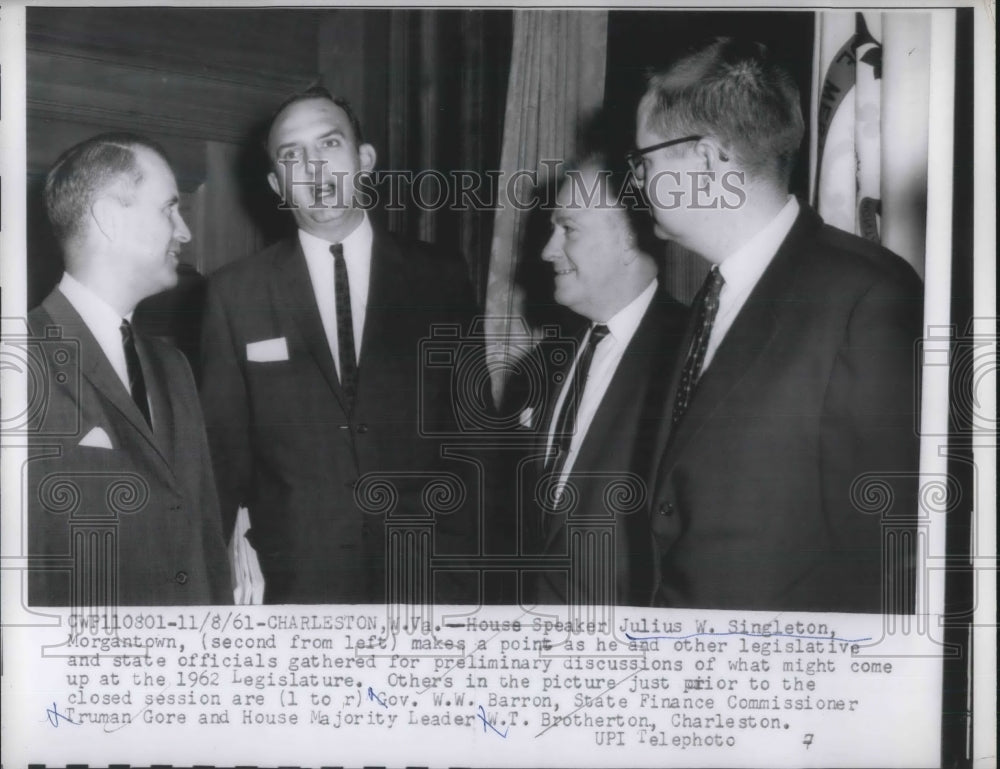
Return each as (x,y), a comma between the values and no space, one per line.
(747,339)
(549,524)
(97,370)
(387,288)
(663,431)
(619,398)
(634,367)
(297,294)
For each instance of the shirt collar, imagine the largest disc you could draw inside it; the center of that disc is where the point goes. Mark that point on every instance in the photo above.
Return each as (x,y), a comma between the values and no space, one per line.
(748,263)
(96,313)
(357,244)
(623,323)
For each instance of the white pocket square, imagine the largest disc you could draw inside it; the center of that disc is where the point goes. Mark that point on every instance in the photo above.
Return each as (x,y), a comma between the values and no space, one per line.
(268,350)
(527,417)
(97,439)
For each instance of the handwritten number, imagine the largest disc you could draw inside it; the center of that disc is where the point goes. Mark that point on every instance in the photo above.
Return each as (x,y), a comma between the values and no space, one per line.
(808,741)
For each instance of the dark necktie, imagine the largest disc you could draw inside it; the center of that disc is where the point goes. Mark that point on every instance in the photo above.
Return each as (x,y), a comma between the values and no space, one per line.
(566,423)
(136,382)
(707,306)
(345,324)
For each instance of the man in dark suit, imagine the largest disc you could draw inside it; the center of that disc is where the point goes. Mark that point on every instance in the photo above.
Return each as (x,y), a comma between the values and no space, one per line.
(587,498)
(122,503)
(313,381)
(785,473)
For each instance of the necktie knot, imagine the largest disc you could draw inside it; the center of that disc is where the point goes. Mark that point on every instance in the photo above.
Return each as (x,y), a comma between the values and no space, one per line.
(713,287)
(597,333)
(337,249)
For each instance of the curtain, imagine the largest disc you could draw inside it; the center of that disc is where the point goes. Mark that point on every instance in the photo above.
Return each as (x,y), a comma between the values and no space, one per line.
(556,81)
(871,121)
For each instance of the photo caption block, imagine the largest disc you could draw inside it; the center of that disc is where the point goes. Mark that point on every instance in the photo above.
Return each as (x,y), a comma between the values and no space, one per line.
(634,687)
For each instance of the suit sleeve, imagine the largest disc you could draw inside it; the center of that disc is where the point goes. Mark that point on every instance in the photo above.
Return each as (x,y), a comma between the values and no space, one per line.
(225,403)
(870,447)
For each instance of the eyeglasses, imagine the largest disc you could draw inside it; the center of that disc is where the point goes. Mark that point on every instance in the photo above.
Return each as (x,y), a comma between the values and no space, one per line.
(634,157)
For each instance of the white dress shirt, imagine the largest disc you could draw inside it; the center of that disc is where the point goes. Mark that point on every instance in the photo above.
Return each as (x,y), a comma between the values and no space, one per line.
(358,258)
(607,355)
(104,323)
(743,269)
(101,319)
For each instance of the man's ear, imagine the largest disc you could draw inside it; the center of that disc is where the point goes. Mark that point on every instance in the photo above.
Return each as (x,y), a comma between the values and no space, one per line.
(366,156)
(712,153)
(104,214)
(272,181)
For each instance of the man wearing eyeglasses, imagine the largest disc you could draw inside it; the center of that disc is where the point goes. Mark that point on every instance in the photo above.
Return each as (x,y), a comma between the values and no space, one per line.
(795,398)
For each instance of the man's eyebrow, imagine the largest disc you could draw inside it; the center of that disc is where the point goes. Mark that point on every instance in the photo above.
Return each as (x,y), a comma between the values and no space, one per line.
(286,145)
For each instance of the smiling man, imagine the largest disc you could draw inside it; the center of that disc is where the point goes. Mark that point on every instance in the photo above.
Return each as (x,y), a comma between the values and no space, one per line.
(596,426)
(122,504)
(313,379)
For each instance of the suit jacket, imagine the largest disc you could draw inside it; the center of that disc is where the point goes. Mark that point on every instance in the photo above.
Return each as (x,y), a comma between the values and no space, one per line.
(602,522)
(795,465)
(285,443)
(137,505)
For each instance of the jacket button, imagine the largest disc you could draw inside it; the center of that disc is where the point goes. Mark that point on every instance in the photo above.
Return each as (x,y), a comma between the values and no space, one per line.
(175,507)
(362,428)
(181,577)
(666,508)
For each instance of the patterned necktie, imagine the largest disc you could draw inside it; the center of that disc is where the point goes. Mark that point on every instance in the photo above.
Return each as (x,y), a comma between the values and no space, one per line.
(345,324)
(136,382)
(566,424)
(708,306)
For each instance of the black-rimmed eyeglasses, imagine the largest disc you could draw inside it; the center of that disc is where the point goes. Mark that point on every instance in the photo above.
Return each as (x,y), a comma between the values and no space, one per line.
(634,157)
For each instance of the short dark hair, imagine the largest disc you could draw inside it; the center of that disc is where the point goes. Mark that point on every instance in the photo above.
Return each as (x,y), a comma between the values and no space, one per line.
(735,90)
(87,169)
(316,92)
(613,176)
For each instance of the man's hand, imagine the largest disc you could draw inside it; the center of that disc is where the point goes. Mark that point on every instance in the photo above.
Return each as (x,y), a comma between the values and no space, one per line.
(248,581)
